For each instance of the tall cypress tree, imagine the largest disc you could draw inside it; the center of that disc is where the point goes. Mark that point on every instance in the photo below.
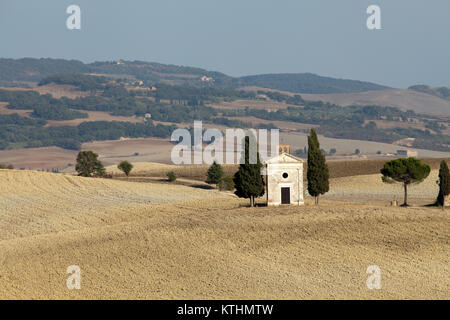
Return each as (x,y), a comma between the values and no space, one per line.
(248,180)
(444,184)
(317,173)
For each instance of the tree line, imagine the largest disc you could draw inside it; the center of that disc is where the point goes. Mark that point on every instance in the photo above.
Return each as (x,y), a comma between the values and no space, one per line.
(71,137)
(82,81)
(248,181)
(353,122)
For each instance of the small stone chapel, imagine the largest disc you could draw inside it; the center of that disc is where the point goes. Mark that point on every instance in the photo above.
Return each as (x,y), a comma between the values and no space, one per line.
(284,179)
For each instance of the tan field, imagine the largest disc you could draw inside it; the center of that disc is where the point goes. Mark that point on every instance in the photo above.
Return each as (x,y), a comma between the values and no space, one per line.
(56,90)
(144,168)
(5,110)
(38,158)
(162,241)
(282,125)
(369,188)
(401,98)
(347,170)
(61,90)
(252,104)
(159,150)
(298,140)
(110,152)
(94,116)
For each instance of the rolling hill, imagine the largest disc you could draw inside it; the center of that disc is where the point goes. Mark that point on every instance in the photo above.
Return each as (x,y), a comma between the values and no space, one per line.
(21,71)
(71,103)
(405,100)
(441,92)
(420,98)
(309,83)
(154,241)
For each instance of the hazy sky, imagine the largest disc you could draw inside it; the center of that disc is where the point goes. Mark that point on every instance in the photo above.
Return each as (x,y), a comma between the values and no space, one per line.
(243,37)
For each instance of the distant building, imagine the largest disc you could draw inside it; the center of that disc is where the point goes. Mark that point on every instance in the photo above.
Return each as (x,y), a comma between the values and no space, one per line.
(284,148)
(206,79)
(147,117)
(262,97)
(407,153)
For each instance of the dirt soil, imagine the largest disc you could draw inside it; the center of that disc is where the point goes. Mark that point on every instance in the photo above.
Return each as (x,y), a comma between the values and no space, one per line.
(159,241)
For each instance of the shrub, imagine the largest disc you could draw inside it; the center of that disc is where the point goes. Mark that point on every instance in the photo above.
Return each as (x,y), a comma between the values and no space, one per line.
(226,183)
(171,176)
(125,167)
(214,174)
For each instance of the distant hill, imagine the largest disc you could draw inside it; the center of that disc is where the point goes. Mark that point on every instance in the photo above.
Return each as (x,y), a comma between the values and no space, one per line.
(441,92)
(400,98)
(29,69)
(171,74)
(309,83)
(21,71)
(172,95)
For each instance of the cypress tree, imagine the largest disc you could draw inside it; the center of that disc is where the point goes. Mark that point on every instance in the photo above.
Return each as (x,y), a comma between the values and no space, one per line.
(248,180)
(214,174)
(444,184)
(317,173)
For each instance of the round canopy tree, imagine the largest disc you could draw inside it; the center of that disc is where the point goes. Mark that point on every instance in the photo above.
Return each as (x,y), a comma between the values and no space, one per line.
(125,167)
(406,171)
(88,165)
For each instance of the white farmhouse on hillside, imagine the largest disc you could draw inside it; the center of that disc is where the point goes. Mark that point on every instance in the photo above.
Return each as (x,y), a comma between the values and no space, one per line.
(407,153)
(206,79)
